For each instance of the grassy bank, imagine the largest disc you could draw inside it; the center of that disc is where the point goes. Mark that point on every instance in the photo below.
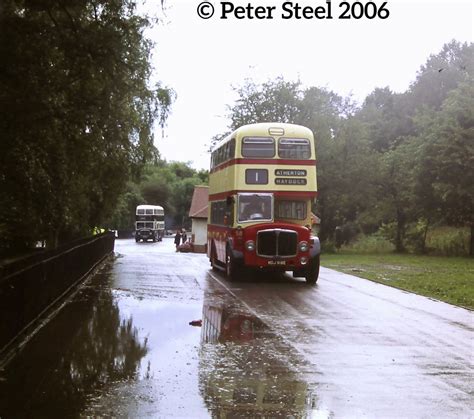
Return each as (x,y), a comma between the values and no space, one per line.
(449,279)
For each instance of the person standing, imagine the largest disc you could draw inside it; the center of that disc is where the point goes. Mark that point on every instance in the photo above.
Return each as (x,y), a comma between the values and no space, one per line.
(184,237)
(177,239)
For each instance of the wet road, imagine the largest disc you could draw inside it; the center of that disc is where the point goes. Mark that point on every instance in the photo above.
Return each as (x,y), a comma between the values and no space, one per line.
(264,347)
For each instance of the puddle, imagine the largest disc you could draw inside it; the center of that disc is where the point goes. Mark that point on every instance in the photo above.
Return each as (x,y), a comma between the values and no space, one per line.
(115,350)
(245,370)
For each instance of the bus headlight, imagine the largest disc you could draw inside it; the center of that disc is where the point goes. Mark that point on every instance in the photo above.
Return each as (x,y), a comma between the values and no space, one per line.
(303,246)
(304,260)
(250,245)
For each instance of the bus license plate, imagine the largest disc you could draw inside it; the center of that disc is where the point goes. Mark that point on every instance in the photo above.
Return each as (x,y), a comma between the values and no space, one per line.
(276,262)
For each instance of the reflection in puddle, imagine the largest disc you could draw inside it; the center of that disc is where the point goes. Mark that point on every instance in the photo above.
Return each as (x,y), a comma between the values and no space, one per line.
(87,346)
(245,370)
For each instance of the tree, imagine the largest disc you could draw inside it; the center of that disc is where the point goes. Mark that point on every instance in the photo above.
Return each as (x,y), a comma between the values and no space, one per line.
(78,114)
(329,116)
(123,216)
(387,119)
(156,186)
(397,190)
(398,161)
(273,101)
(446,175)
(347,170)
(401,127)
(170,185)
(442,73)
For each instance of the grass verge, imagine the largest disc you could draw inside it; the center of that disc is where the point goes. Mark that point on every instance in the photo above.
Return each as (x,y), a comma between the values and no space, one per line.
(449,279)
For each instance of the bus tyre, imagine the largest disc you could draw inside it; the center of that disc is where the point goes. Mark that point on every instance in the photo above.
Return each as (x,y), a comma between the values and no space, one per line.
(213,258)
(137,240)
(231,268)
(312,272)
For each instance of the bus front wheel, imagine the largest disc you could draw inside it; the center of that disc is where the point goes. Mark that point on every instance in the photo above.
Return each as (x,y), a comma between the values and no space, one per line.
(312,272)
(231,268)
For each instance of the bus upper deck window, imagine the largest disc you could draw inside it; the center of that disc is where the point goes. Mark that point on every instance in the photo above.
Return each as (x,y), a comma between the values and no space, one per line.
(294,148)
(258,147)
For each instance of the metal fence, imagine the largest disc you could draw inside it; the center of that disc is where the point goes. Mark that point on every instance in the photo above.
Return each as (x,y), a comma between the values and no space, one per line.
(32,285)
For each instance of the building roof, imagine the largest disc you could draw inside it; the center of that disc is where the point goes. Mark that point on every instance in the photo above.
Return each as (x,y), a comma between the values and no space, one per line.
(199,202)
(316,219)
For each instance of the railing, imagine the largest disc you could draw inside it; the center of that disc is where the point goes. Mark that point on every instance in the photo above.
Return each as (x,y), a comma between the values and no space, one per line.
(31,286)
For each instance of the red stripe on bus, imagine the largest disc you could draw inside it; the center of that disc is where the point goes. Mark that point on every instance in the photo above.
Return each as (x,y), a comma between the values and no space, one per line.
(296,194)
(283,162)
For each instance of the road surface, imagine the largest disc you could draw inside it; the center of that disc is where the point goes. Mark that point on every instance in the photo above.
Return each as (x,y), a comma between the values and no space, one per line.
(264,346)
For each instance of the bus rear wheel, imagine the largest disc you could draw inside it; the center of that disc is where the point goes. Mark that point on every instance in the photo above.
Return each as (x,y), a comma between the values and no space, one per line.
(312,272)
(214,258)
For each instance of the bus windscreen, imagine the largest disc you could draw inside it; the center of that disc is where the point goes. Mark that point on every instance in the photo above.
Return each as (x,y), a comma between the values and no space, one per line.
(255,207)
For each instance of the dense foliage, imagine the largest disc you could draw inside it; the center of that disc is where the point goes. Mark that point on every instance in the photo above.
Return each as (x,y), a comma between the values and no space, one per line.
(170,185)
(76,140)
(398,163)
(77,114)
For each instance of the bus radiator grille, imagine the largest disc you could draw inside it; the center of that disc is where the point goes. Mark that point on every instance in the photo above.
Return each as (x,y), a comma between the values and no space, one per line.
(277,242)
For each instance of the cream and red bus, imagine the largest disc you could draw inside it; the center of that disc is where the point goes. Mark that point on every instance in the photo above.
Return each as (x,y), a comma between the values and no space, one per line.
(262,183)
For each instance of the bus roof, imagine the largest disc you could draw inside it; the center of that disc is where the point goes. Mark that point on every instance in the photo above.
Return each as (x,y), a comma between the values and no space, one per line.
(274,129)
(149,207)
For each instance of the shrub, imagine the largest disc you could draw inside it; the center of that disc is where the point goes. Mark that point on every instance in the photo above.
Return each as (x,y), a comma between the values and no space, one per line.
(415,236)
(328,246)
(388,231)
(374,243)
(448,241)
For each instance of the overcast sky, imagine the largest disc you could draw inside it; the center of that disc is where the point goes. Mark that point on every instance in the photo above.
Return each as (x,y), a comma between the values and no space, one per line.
(202,59)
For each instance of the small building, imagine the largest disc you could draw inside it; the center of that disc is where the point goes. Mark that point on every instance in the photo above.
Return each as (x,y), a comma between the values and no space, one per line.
(198,215)
(316,223)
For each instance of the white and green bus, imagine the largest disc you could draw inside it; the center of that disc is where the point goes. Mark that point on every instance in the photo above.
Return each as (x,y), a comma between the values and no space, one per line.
(150,223)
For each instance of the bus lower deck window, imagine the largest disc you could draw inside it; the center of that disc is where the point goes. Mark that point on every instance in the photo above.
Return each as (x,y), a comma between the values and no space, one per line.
(295,210)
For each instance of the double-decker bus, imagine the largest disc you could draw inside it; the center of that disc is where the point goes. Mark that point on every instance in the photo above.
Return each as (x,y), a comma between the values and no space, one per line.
(262,182)
(150,223)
